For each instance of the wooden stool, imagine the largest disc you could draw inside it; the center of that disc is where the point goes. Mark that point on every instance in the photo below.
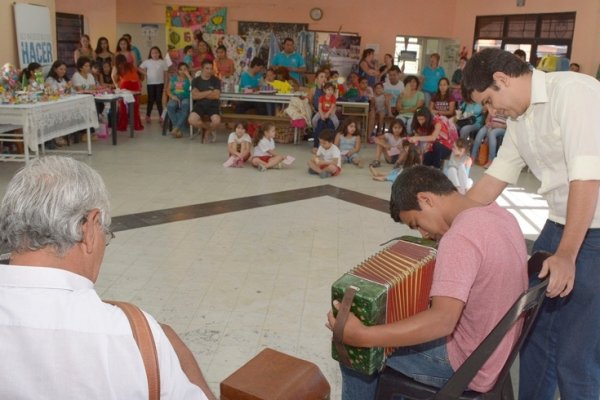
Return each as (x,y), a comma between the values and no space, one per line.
(272,375)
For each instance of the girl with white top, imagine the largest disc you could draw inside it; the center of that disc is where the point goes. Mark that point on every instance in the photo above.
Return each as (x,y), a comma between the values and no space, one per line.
(265,156)
(390,144)
(155,69)
(239,145)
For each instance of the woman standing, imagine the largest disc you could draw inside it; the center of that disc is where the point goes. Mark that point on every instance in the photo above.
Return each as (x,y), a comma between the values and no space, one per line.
(124,48)
(103,52)
(367,68)
(84,49)
(125,75)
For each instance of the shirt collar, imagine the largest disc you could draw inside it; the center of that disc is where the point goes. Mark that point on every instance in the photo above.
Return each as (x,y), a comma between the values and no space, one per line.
(42,277)
(539,95)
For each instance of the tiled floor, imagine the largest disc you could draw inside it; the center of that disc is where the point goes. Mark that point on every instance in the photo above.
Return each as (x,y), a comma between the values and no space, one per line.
(236,260)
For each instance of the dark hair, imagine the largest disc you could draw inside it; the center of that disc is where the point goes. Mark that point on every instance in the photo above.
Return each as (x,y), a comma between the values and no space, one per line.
(436,56)
(428,126)
(188,48)
(242,123)
(198,36)
(328,85)
(478,74)
(207,46)
(52,73)
(257,62)
(327,135)
(520,53)
(394,68)
(123,66)
(411,78)
(415,180)
(28,72)
(127,36)
(575,65)
(347,122)
(438,96)
(221,47)
(378,84)
(366,53)
(362,78)
(463,143)
(81,61)
(204,62)
(412,155)
(157,49)
(398,122)
(182,64)
(288,39)
(126,40)
(261,132)
(333,72)
(99,47)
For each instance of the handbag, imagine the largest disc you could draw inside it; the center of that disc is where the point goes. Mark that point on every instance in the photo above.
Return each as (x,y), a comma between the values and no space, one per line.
(465,121)
(145,342)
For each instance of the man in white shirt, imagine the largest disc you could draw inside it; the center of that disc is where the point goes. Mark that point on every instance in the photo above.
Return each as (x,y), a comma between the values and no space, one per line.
(553,128)
(394,87)
(58,339)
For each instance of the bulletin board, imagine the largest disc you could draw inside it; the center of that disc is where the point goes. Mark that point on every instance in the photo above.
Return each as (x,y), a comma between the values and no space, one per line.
(261,31)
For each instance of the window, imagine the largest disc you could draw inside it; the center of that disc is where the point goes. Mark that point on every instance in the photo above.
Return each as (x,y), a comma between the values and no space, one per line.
(536,34)
(69,28)
(407,54)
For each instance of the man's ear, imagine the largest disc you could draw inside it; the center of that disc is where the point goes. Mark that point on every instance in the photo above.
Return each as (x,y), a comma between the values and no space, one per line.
(425,199)
(89,231)
(500,78)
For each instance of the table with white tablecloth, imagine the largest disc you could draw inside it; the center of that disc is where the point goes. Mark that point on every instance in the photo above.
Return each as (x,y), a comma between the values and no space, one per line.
(44,121)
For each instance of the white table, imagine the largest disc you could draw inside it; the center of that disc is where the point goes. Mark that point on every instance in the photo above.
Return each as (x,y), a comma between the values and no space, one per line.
(48,120)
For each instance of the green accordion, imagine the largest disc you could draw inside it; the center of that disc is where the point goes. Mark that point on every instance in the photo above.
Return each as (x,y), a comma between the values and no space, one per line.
(387,287)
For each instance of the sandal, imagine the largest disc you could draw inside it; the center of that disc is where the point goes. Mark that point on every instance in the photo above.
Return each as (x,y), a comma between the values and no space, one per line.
(375,164)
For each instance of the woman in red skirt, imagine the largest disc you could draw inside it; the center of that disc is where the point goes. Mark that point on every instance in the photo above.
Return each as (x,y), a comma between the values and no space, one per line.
(125,76)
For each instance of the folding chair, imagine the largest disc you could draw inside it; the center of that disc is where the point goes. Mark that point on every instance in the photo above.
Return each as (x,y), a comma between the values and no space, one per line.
(393,383)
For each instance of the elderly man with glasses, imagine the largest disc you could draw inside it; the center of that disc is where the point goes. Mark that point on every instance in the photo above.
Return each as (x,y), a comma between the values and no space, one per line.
(58,340)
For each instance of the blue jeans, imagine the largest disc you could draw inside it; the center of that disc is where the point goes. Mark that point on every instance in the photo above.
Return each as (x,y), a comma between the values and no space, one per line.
(491,134)
(427,363)
(178,112)
(467,130)
(407,122)
(564,345)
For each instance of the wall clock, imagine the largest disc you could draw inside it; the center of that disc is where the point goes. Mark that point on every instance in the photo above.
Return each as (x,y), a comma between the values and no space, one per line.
(316,14)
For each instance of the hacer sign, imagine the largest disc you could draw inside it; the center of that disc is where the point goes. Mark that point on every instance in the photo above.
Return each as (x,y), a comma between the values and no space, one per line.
(34,34)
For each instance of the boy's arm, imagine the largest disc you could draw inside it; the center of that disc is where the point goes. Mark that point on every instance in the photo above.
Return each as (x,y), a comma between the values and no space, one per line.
(436,322)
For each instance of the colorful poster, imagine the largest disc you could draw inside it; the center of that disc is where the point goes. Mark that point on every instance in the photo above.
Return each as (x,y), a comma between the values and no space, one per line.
(183,22)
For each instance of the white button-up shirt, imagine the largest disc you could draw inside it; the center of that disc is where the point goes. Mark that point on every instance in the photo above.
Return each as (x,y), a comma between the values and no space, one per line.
(58,340)
(558,137)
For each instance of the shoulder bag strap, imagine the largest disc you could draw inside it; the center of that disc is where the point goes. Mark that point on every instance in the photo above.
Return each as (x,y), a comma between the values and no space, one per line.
(145,342)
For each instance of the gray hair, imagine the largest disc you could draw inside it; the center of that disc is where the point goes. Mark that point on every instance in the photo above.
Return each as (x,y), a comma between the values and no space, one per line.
(46,203)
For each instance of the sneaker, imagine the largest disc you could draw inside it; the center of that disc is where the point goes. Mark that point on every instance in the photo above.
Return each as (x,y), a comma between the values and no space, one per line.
(311,172)
(261,168)
(325,174)
(375,164)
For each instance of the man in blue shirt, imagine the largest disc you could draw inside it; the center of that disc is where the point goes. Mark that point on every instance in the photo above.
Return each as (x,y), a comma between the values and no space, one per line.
(291,60)
(431,76)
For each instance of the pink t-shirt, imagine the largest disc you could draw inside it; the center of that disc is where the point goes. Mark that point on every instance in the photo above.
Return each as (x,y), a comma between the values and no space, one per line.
(482,261)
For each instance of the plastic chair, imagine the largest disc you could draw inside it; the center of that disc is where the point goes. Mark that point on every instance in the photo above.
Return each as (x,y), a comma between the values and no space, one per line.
(393,383)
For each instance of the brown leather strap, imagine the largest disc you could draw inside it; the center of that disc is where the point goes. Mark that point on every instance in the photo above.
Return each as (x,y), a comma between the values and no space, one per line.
(145,341)
(340,324)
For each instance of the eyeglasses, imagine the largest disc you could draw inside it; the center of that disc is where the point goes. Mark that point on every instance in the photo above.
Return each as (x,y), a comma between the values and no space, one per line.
(108,236)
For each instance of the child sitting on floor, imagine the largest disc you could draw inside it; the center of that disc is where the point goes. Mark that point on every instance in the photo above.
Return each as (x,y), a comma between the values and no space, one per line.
(390,144)
(239,145)
(327,162)
(458,166)
(265,156)
(348,141)
(409,156)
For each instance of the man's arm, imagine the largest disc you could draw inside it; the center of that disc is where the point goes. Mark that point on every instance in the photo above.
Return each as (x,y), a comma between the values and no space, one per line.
(561,266)
(436,322)
(487,189)
(189,365)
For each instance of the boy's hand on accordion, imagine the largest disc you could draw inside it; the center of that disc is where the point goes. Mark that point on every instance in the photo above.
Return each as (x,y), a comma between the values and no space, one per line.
(354,331)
